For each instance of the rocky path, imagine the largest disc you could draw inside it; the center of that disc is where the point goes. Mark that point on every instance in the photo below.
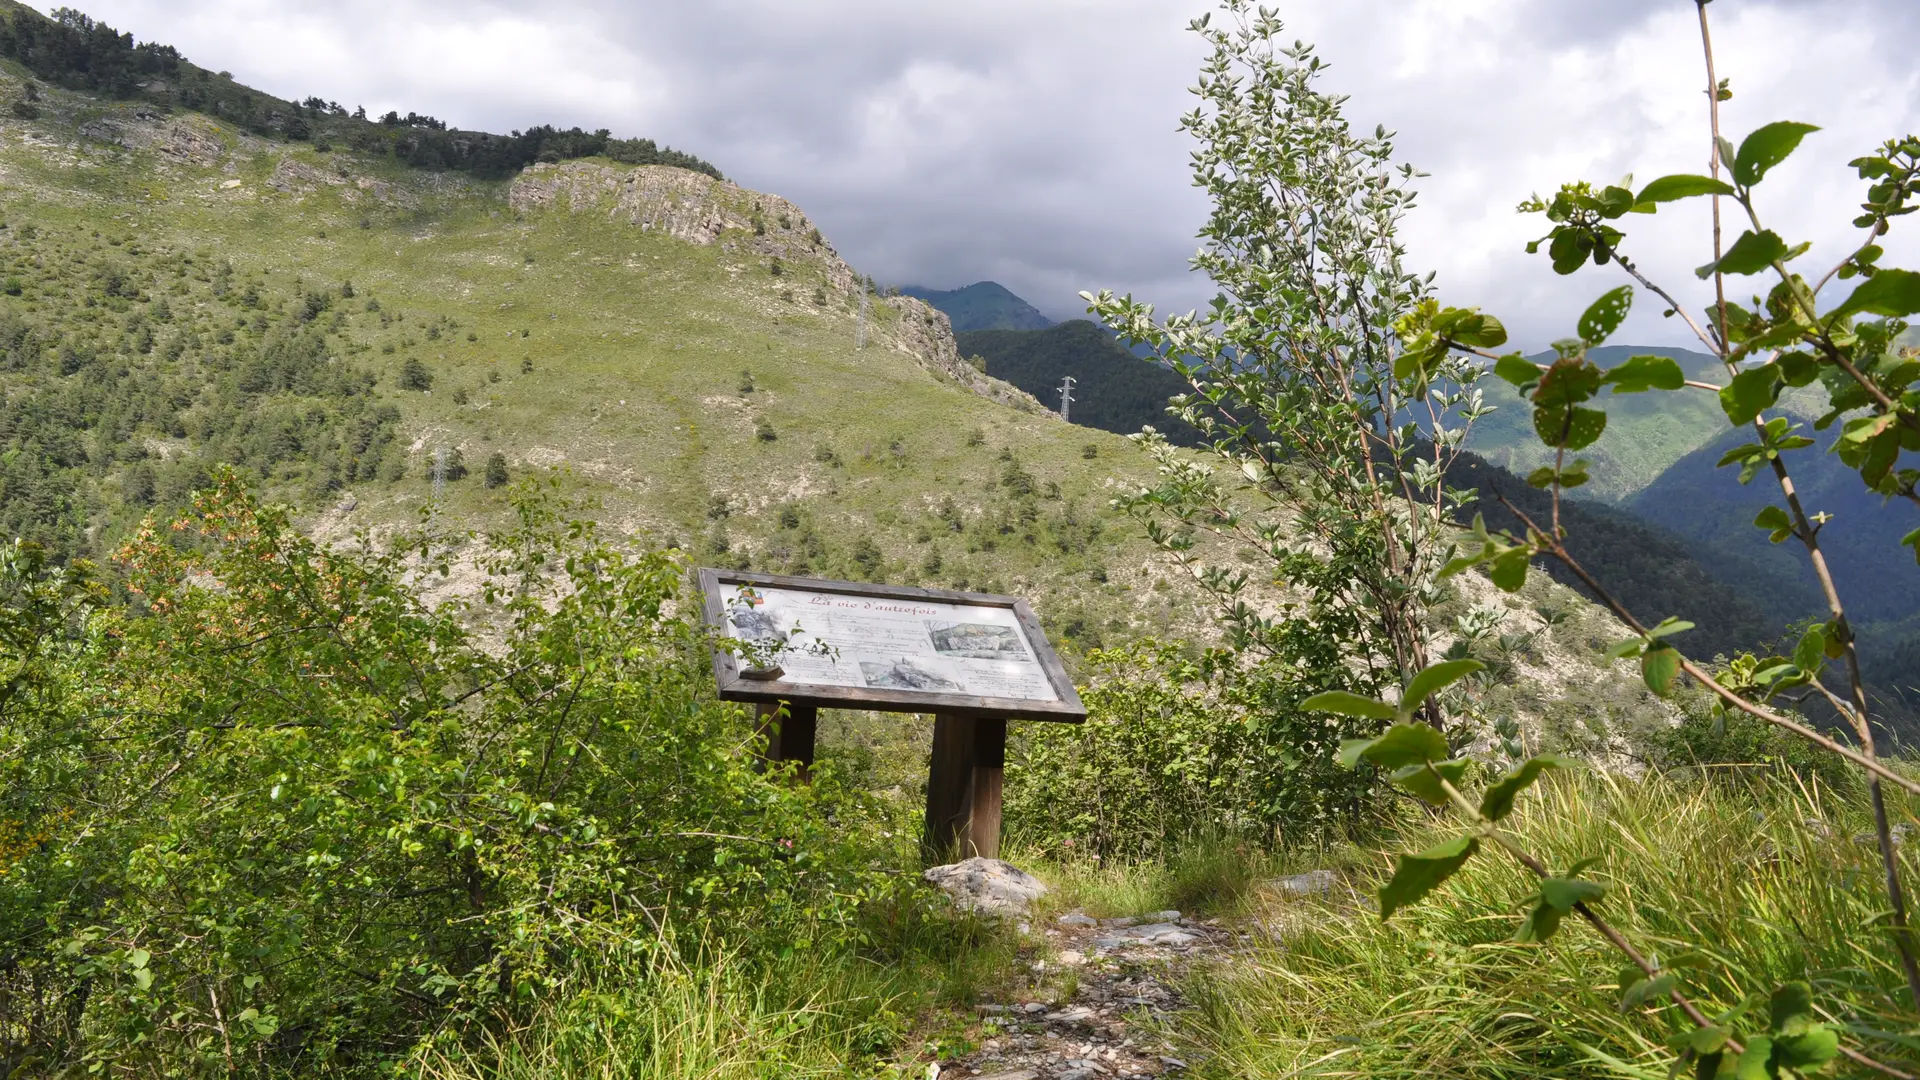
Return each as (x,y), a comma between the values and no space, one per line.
(1113,982)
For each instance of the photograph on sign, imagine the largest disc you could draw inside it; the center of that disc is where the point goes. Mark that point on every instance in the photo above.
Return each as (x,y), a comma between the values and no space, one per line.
(934,646)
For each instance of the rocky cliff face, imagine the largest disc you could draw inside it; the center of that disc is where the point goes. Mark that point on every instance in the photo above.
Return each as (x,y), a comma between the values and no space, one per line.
(697,209)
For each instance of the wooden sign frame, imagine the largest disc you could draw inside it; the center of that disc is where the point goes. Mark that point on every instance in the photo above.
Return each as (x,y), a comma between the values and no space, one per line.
(969,731)
(726,666)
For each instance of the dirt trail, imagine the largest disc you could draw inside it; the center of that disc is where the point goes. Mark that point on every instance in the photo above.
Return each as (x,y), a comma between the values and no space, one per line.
(1125,976)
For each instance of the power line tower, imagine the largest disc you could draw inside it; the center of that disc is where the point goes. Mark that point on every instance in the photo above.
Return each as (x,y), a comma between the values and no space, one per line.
(1066,397)
(860,331)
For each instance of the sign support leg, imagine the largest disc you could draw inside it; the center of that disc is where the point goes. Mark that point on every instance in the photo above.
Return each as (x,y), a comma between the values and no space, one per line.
(947,786)
(789,738)
(989,763)
(796,738)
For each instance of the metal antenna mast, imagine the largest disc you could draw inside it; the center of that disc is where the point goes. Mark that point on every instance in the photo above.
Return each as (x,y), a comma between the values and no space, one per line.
(1066,397)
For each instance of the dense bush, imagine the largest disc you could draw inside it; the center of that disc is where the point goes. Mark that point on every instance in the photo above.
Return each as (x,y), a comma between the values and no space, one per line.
(1176,747)
(285,817)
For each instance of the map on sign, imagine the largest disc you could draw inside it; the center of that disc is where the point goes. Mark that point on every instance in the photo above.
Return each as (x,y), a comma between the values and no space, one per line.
(835,639)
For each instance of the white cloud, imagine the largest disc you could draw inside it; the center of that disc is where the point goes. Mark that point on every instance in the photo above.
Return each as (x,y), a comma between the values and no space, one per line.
(1033,141)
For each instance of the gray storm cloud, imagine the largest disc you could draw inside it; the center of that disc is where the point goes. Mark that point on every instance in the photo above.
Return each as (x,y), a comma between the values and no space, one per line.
(1034,142)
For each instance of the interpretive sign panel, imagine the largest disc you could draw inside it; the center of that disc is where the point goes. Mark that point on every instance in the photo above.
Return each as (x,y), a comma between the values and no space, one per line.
(861,646)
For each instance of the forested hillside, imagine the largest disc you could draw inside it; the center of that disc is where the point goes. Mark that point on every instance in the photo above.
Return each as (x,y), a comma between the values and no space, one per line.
(75,51)
(1113,390)
(1698,499)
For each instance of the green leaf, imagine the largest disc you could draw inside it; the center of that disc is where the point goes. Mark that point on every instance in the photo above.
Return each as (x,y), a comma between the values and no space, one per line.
(1682,186)
(1517,369)
(1765,148)
(1541,923)
(1414,876)
(1497,801)
(1468,327)
(138,958)
(1668,627)
(1807,1052)
(1570,427)
(1563,893)
(1811,649)
(1569,381)
(1640,373)
(1604,315)
(1509,569)
(1401,744)
(1423,685)
(1752,1064)
(1570,477)
(1346,704)
(1791,1008)
(1707,1040)
(1649,990)
(143,978)
(1912,540)
(1776,521)
(1423,782)
(1632,646)
(1658,667)
(1893,293)
(1750,254)
(1749,392)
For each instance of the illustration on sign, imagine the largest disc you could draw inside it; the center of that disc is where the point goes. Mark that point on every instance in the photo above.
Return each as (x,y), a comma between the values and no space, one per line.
(834,639)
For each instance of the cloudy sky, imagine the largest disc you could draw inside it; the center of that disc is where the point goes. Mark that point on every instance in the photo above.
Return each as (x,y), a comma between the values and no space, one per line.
(1033,142)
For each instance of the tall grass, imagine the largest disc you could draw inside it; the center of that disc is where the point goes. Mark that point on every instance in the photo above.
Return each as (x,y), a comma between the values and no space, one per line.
(1757,882)
(730,1013)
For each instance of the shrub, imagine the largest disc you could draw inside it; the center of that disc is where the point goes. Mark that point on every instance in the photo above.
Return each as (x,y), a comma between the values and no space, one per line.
(288,802)
(1173,747)
(868,557)
(496,469)
(414,375)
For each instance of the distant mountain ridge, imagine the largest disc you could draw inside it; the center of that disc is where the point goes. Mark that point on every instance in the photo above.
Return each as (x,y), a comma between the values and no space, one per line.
(983,305)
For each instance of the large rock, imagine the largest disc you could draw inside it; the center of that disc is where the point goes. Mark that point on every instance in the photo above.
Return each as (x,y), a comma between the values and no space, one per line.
(987,885)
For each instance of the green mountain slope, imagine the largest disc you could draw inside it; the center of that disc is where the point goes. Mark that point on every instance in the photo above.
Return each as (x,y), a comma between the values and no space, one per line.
(1645,433)
(382,344)
(983,305)
(1113,389)
(1874,574)
(184,293)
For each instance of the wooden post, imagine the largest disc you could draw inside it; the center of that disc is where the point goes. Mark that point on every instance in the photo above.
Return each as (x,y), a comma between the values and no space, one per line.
(796,738)
(948,777)
(789,738)
(989,763)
